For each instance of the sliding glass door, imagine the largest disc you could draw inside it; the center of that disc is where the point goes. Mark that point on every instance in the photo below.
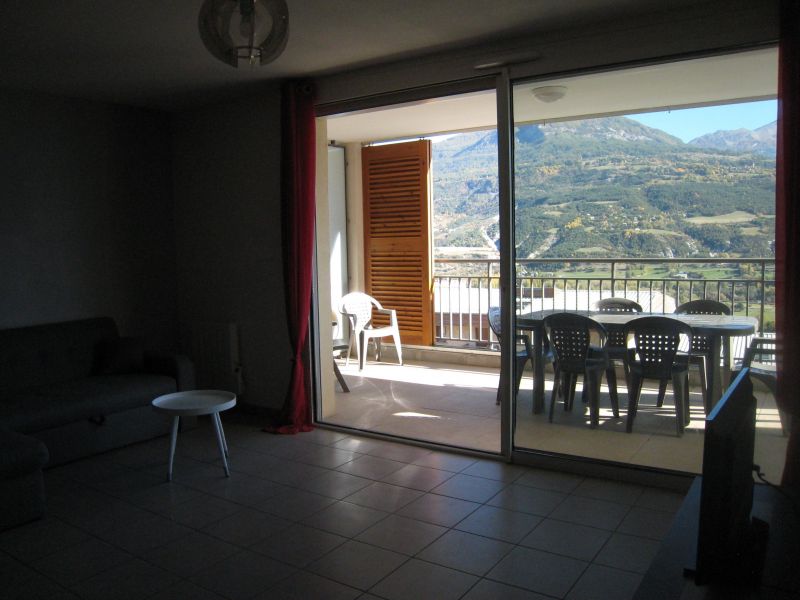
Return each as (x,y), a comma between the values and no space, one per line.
(614,196)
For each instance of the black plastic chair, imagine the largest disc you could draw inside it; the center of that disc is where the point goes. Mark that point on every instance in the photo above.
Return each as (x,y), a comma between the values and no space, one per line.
(658,348)
(524,353)
(616,337)
(579,348)
(701,344)
(617,305)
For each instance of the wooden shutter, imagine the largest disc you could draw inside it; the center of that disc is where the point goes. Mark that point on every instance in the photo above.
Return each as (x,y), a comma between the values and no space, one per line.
(397,239)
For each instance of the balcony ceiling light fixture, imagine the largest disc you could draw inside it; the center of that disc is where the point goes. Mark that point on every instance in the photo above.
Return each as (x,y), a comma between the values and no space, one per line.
(244,32)
(549,93)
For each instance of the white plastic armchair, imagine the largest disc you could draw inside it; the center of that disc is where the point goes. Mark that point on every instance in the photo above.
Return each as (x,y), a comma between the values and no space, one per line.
(358,307)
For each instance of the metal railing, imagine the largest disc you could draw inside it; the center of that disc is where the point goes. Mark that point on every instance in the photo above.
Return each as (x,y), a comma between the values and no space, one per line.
(464,289)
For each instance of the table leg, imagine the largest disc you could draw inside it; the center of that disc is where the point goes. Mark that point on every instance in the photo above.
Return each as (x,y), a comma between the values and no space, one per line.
(713,372)
(220,441)
(538,370)
(173,440)
(222,433)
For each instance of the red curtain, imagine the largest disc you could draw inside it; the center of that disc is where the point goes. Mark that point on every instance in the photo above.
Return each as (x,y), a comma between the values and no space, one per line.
(787,231)
(298,166)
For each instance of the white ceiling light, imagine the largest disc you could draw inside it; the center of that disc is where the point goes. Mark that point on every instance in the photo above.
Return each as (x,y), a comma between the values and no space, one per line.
(244,32)
(549,93)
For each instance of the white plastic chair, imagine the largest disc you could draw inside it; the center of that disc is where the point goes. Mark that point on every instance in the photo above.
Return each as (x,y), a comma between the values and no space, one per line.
(358,307)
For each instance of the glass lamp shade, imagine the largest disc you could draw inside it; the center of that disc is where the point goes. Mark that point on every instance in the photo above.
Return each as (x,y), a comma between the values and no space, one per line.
(244,32)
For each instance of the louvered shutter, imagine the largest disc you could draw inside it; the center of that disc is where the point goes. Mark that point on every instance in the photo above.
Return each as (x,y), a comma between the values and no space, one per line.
(397,241)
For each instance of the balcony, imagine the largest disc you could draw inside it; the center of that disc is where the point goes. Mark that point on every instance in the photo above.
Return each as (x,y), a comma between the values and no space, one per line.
(446,393)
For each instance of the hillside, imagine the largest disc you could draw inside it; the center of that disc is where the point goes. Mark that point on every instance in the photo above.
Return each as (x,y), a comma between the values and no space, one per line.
(610,187)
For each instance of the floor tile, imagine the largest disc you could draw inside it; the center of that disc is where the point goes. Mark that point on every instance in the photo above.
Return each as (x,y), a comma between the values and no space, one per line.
(527,499)
(604,583)
(186,590)
(555,481)
(243,575)
(132,580)
(40,538)
(653,524)
(191,554)
(567,539)
(345,519)
(14,573)
(628,553)
(498,523)
(357,565)
(494,469)
(468,487)
(309,586)
(591,512)
(79,562)
(418,478)
(538,571)
(163,497)
(371,467)
(439,510)
(336,484)
(492,590)
(424,581)
(140,536)
(466,552)
(37,587)
(445,461)
(613,491)
(384,496)
(296,505)
(124,485)
(201,511)
(658,499)
(252,491)
(400,452)
(299,545)
(292,473)
(401,534)
(247,527)
(322,456)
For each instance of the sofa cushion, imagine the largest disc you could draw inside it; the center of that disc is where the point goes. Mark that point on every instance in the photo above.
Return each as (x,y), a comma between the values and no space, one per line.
(20,454)
(52,353)
(119,356)
(53,405)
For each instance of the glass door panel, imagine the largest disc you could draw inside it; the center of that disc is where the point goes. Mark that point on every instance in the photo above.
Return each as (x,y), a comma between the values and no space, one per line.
(615,197)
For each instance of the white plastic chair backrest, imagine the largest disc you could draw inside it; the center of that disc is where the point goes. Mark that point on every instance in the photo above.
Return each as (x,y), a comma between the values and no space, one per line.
(358,306)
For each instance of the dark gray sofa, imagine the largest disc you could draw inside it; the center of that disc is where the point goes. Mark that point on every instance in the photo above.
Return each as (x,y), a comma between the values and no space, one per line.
(81,389)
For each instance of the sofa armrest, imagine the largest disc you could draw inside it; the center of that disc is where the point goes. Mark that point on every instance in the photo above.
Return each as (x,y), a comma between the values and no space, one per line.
(175,365)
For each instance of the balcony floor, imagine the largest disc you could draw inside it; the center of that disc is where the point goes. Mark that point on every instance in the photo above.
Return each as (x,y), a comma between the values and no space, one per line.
(455,405)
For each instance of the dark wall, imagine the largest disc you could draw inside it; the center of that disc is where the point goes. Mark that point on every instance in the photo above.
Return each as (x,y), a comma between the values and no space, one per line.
(86,215)
(228,233)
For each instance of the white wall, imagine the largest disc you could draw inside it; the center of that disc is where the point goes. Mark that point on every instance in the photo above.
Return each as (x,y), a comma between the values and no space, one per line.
(228,233)
(86,219)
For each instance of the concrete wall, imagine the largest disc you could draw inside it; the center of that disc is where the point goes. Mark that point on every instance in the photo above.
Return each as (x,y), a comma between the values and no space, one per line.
(707,26)
(228,233)
(86,223)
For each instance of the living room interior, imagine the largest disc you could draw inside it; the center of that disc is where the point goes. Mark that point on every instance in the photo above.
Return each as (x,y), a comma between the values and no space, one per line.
(143,183)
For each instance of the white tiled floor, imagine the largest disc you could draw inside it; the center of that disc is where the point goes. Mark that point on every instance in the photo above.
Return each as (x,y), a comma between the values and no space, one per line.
(455,405)
(328,515)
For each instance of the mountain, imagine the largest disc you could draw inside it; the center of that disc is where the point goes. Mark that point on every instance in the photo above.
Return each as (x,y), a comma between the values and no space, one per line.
(763,140)
(607,187)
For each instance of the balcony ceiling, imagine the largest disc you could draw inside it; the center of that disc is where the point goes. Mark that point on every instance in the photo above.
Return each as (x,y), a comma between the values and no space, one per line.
(656,87)
(148,52)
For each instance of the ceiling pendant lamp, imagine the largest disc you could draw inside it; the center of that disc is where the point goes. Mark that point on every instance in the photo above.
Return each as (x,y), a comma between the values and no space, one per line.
(244,32)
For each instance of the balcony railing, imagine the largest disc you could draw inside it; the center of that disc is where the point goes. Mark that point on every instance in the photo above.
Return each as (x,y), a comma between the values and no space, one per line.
(464,289)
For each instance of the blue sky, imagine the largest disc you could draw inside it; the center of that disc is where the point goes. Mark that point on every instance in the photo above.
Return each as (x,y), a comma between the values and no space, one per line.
(690,123)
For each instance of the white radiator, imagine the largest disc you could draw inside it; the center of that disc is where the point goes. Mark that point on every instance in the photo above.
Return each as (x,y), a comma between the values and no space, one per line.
(214,349)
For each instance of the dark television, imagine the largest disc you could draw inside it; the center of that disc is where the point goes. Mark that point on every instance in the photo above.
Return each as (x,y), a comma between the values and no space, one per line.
(730,542)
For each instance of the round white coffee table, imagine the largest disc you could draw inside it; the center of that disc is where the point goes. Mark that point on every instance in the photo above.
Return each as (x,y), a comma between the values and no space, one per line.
(193,403)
